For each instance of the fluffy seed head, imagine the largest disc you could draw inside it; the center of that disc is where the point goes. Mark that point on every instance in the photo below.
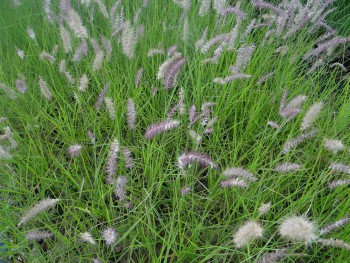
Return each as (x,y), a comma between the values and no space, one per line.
(109,235)
(333,145)
(87,237)
(298,228)
(249,231)
(38,208)
(74,150)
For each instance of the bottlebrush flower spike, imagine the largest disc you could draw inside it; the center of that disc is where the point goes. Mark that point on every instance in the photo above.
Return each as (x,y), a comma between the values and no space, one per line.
(81,50)
(20,53)
(204,8)
(235,10)
(334,146)
(291,144)
(273,257)
(264,208)
(212,42)
(331,227)
(87,237)
(172,50)
(274,125)
(97,63)
(173,71)
(298,228)
(4,154)
(110,107)
(234,182)
(21,85)
(265,77)
(185,190)
(195,136)
(83,83)
(192,114)
(38,235)
(128,39)
(311,115)
(195,157)
(338,183)
(340,168)
(219,6)
(155,51)
(45,91)
(337,64)
(74,22)
(244,56)
(8,90)
(107,45)
(112,161)
(327,45)
(293,108)
(158,128)
(66,39)
(74,150)
(288,167)
(119,187)
(102,96)
(163,69)
(37,209)
(238,171)
(31,33)
(131,113)
(250,231)
(128,158)
(47,56)
(109,235)
(223,81)
(330,242)
(138,77)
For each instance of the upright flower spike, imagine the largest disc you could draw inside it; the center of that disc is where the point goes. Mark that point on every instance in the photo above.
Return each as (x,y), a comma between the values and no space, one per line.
(250,231)
(119,188)
(112,161)
(37,209)
(74,22)
(83,83)
(298,229)
(128,158)
(110,107)
(45,91)
(172,73)
(311,115)
(164,67)
(66,39)
(131,113)
(128,39)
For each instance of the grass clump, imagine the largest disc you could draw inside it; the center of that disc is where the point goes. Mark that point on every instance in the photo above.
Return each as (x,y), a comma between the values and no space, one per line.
(218,133)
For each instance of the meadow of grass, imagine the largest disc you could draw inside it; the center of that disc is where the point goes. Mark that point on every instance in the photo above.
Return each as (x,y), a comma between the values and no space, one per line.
(108,154)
